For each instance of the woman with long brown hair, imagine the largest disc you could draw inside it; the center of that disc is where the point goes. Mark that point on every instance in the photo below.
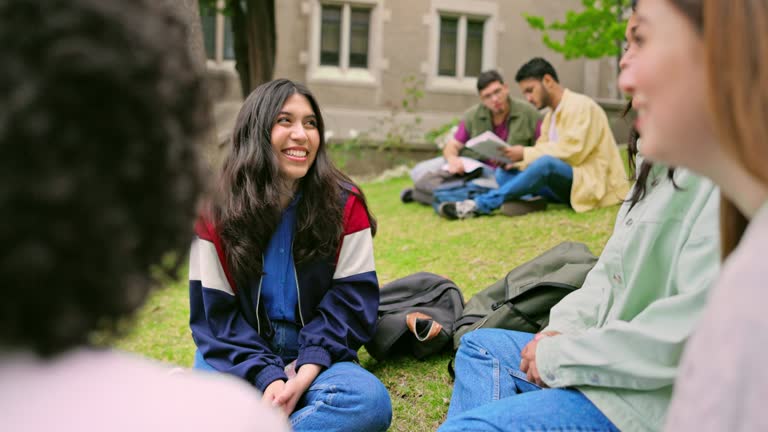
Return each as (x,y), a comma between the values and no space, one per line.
(283,287)
(609,355)
(712,56)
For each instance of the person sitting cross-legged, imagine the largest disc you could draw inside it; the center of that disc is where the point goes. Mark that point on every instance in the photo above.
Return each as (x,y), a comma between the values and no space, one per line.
(282,281)
(575,160)
(512,120)
(609,357)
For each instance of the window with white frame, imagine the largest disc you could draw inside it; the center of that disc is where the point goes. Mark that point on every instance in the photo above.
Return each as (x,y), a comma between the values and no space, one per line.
(462,43)
(344,35)
(217,34)
(460,51)
(345,42)
(208,18)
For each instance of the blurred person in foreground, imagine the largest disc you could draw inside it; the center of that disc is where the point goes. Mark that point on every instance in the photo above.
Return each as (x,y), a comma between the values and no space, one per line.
(103,111)
(714,54)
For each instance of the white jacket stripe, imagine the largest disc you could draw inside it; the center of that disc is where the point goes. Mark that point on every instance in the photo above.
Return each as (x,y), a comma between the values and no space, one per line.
(356,255)
(204,265)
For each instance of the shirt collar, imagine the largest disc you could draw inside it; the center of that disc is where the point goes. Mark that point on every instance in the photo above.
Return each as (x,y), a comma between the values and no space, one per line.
(294,202)
(486,113)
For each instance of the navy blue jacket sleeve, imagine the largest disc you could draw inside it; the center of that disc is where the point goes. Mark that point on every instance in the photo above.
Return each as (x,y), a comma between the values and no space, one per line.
(225,338)
(346,314)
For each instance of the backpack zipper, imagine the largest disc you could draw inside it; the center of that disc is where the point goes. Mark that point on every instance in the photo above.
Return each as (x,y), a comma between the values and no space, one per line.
(421,293)
(499,303)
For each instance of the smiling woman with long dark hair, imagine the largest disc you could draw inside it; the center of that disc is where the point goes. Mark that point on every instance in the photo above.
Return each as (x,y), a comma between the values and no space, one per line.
(283,287)
(710,57)
(608,357)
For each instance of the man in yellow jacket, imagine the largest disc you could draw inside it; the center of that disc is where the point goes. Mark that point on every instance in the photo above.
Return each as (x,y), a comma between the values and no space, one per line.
(574,161)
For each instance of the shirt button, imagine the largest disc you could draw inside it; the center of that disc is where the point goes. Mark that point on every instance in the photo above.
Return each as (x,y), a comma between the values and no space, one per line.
(594,379)
(629,222)
(282,250)
(550,377)
(617,277)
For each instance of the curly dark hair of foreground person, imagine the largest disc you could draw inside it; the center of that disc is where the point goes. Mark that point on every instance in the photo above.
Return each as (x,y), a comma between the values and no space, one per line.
(247,211)
(102,109)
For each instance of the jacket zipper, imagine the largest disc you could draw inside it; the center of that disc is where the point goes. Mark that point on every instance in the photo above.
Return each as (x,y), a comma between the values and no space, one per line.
(258,300)
(298,291)
(500,303)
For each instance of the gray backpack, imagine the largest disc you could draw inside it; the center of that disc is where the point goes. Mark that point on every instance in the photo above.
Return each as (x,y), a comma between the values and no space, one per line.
(416,316)
(521,300)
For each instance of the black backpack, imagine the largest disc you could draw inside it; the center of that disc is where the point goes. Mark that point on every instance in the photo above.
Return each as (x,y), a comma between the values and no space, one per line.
(416,316)
(521,300)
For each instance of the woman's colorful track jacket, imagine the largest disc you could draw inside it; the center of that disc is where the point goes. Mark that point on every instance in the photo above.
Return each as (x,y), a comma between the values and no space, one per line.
(338,301)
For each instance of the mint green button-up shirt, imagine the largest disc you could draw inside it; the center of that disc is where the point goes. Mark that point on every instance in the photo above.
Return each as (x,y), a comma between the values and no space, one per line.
(623,332)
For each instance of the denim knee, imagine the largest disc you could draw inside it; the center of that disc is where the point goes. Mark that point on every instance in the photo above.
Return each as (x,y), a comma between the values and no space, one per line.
(363,395)
(478,338)
(376,402)
(499,343)
(545,163)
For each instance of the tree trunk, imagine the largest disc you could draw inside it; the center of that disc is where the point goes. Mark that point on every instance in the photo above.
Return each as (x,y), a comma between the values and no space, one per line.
(240,45)
(255,37)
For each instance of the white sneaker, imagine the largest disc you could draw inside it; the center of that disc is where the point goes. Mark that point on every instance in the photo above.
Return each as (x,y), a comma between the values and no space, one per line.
(458,210)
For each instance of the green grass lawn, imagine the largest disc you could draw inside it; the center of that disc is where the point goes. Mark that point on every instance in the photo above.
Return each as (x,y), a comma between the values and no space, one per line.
(473,253)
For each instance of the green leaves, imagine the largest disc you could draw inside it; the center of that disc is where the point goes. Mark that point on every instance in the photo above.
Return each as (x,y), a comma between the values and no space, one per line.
(535,22)
(594,32)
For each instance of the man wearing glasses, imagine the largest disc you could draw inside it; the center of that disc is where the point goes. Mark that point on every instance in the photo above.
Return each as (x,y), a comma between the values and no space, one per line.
(575,161)
(512,120)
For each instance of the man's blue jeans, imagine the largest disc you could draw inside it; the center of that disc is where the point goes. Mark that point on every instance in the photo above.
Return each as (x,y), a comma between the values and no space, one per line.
(547,176)
(492,394)
(344,397)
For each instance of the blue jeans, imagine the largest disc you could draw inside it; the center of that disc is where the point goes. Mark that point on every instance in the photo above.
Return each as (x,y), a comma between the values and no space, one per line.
(492,394)
(547,176)
(344,397)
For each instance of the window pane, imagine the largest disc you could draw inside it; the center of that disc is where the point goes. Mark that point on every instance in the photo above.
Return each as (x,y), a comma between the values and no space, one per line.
(474,54)
(208,18)
(447,57)
(229,47)
(330,37)
(358,37)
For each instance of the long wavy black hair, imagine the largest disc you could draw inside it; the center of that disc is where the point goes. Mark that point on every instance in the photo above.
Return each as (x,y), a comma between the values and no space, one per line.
(247,210)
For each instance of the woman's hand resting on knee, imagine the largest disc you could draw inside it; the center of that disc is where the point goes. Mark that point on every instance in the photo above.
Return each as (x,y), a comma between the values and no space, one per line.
(286,394)
(528,361)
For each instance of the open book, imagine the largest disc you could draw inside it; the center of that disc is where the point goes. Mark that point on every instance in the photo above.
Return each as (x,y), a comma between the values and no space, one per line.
(487,146)
(469,164)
